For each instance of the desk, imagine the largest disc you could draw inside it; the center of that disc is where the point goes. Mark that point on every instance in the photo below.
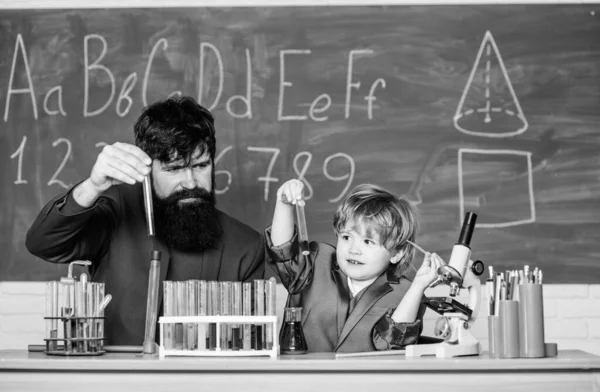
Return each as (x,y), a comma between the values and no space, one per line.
(22,371)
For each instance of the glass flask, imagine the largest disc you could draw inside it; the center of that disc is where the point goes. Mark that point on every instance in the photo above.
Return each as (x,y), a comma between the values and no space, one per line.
(292,335)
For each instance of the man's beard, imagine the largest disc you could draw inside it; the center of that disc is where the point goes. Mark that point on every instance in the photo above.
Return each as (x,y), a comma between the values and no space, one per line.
(188,226)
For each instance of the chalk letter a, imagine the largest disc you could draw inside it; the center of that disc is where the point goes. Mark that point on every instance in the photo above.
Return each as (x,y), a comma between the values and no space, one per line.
(19,44)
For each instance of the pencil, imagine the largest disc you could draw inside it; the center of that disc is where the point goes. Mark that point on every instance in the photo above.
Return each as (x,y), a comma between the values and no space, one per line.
(418,247)
(371,354)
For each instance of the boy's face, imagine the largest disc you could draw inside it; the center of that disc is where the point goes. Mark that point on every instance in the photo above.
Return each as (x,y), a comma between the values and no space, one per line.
(360,254)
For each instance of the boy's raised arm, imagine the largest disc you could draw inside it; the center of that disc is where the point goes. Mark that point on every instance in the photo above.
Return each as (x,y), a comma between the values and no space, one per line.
(282,227)
(407,310)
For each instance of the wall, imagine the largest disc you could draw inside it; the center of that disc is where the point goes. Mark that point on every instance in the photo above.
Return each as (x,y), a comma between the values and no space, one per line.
(571,312)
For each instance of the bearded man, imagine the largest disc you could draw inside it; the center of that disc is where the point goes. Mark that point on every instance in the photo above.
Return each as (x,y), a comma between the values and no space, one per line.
(102,219)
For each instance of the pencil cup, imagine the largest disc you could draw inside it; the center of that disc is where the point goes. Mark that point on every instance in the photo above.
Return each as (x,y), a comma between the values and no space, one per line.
(531,321)
(508,347)
(493,335)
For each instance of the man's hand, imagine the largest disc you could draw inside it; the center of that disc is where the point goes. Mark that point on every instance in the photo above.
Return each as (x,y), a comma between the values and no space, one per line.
(117,164)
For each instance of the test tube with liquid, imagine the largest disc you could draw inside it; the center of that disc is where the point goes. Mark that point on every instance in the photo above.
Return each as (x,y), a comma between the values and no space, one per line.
(93,303)
(209,312)
(168,312)
(270,301)
(85,308)
(202,311)
(152,303)
(83,312)
(259,310)
(215,308)
(236,310)
(67,312)
(89,321)
(79,308)
(180,311)
(192,309)
(247,311)
(302,231)
(225,311)
(52,314)
(100,289)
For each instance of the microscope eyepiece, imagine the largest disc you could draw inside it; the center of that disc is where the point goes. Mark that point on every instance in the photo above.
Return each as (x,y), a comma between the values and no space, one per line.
(466,232)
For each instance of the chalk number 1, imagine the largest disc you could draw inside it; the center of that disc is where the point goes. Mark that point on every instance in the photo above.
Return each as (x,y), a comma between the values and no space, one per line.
(20,152)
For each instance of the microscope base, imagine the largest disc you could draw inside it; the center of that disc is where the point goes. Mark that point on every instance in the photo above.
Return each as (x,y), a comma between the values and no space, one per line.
(459,343)
(443,350)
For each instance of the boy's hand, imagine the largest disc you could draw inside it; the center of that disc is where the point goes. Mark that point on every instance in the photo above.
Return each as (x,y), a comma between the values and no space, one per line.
(290,192)
(428,271)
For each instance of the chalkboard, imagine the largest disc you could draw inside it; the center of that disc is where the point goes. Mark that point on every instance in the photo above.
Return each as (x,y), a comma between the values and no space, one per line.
(493,109)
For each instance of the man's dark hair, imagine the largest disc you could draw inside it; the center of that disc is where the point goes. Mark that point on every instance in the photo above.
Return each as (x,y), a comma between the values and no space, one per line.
(174,128)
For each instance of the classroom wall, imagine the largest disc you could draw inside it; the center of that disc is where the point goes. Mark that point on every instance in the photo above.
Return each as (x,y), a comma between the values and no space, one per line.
(571,312)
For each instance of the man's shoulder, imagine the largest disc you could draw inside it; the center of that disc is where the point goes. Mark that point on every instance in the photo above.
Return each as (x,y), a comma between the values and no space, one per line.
(234,227)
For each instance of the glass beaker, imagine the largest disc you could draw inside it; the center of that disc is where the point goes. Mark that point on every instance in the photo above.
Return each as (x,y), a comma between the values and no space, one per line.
(292,335)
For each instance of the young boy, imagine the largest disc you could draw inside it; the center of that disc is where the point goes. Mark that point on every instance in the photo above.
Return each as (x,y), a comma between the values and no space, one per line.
(354,296)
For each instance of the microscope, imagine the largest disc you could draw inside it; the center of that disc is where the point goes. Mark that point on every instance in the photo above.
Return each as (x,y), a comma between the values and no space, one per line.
(453,326)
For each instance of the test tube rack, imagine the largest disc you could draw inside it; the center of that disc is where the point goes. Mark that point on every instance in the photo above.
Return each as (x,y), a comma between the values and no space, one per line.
(74,315)
(83,336)
(218,351)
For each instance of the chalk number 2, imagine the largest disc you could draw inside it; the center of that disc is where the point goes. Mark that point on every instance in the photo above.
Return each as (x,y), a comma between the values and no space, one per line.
(20,152)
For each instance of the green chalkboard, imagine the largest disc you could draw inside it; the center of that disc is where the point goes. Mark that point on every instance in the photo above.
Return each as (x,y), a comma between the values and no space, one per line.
(493,109)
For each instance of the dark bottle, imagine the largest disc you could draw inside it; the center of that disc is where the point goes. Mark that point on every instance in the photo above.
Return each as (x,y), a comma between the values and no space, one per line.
(292,336)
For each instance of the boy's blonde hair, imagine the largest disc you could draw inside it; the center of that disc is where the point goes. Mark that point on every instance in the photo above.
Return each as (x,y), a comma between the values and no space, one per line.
(392,218)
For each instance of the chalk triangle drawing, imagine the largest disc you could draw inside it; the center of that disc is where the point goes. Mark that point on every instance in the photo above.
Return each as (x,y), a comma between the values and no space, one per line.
(489,106)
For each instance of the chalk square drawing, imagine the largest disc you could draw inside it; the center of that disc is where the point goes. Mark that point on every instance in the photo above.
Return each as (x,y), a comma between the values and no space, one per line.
(489,106)
(461,192)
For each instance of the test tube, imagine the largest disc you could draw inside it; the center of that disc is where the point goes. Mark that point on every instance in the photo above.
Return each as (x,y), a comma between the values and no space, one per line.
(302,231)
(192,309)
(87,306)
(180,329)
(68,297)
(152,303)
(51,314)
(89,314)
(236,310)
(55,314)
(168,312)
(100,289)
(209,312)
(100,302)
(247,311)
(147,189)
(215,311)
(78,306)
(270,301)
(225,311)
(202,311)
(259,310)
(93,303)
